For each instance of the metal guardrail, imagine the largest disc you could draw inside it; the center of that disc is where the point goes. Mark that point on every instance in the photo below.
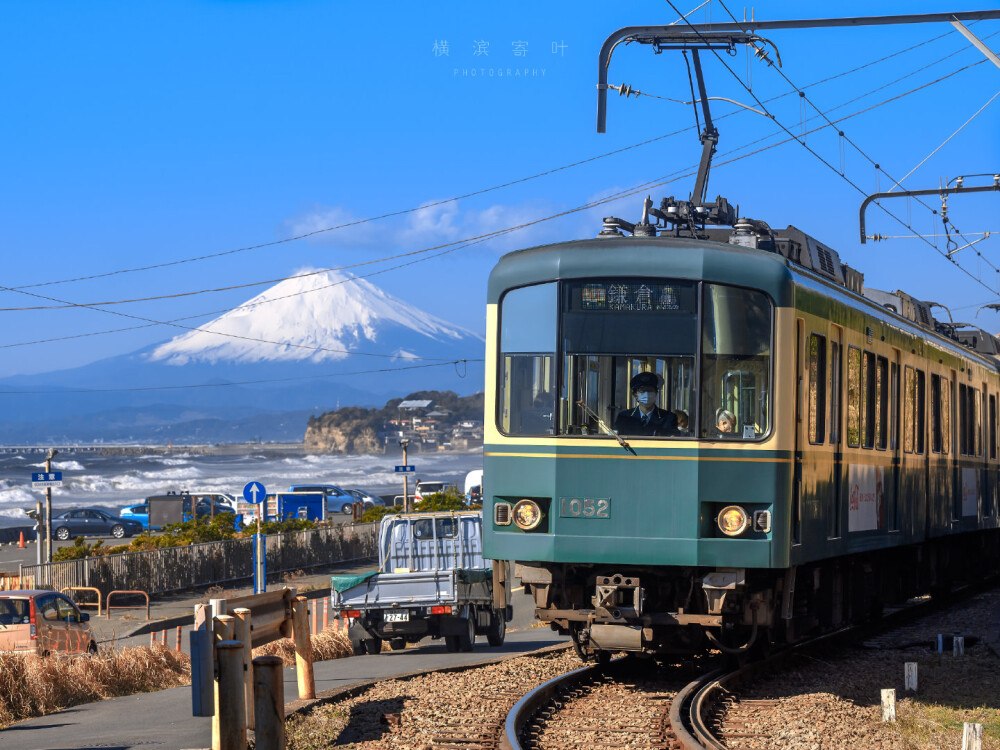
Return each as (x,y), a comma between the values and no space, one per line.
(178,568)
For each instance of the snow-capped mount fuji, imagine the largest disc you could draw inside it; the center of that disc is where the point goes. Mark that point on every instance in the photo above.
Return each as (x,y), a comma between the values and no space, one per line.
(310,343)
(318,316)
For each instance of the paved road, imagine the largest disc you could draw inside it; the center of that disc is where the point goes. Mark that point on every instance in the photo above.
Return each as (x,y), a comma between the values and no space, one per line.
(163,720)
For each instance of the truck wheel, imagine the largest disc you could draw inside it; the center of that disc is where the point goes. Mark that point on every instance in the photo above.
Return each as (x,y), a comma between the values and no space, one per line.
(451,643)
(467,640)
(397,644)
(497,630)
(373,645)
(358,647)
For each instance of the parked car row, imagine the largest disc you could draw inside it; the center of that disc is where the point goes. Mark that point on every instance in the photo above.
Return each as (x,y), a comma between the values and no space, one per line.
(339,500)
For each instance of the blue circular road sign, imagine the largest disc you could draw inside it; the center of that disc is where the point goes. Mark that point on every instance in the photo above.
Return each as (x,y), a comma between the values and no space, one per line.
(254,492)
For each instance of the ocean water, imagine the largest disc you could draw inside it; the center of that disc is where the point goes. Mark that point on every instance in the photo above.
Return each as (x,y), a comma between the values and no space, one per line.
(112,482)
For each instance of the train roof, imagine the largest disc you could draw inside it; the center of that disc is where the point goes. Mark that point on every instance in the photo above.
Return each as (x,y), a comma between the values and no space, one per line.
(749,254)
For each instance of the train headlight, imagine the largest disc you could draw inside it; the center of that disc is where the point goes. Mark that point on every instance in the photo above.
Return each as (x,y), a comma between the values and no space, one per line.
(733,520)
(527,515)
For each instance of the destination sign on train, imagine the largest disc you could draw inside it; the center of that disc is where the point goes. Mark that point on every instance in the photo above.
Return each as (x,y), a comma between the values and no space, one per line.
(632,295)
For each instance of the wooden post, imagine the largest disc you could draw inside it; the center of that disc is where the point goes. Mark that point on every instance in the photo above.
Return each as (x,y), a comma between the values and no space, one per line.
(232,704)
(972,736)
(910,675)
(269,703)
(958,646)
(889,705)
(326,614)
(222,628)
(303,649)
(241,633)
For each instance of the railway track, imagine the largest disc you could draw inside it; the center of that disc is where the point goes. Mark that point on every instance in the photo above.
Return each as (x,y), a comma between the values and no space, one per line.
(628,704)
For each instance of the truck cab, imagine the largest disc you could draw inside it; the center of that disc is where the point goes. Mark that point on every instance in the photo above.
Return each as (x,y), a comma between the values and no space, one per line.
(432,581)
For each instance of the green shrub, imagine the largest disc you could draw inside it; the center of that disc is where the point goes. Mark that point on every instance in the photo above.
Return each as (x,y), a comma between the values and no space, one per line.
(450,499)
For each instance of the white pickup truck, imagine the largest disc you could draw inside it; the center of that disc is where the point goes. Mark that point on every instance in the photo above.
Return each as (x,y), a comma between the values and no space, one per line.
(432,581)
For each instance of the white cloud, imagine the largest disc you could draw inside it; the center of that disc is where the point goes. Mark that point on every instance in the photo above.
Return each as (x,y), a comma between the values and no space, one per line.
(436,224)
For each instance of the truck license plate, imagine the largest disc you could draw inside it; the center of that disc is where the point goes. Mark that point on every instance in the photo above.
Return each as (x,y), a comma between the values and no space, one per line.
(397,616)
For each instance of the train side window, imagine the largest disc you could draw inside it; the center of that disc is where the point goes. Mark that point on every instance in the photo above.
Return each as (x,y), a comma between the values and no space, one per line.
(817,388)
(853,396)
(868,399)
(909,409)
(881,403)
(936,413)
(834,393)
(913,410)
(979,421)
(894,405)
(993,426)
(964,420)
(946,416)
(921,411)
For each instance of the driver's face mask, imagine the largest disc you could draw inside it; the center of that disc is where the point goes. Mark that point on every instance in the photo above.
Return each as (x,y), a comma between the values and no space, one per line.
(646,398)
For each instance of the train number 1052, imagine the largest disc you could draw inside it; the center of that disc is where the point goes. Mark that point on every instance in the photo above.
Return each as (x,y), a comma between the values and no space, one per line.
(585,507)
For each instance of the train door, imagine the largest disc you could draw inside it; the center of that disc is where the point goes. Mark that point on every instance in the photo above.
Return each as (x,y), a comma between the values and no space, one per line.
(894,447)
(834,520)
(800,426)
(913,461)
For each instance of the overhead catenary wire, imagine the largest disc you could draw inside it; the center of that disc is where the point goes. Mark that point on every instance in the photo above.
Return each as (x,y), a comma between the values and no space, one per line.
(484,237)
(801,142)
(658,182)
(471,194)
(805,99)
(455,362)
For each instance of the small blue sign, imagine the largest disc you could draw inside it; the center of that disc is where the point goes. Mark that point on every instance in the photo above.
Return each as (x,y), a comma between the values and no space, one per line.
(405,468)
(52,476)
(254,492)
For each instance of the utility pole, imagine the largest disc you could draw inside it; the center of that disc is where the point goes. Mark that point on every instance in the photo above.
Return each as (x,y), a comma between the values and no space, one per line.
(48,507)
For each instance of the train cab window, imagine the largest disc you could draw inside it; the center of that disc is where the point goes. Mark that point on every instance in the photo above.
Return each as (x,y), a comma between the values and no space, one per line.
(854,400)
(735,362)
(817,388)
(528,318)
(611,329)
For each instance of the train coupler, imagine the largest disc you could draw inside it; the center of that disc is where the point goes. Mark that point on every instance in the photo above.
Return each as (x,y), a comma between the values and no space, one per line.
(720,582)
(618,597)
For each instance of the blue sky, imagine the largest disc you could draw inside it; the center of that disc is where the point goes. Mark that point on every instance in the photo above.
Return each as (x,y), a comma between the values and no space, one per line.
(144,133)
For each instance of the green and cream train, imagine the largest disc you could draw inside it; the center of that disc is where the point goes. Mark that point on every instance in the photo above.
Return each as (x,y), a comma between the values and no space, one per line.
(862,470)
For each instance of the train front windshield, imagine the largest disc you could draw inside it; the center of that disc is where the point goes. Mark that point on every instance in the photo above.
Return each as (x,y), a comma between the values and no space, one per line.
(569,350)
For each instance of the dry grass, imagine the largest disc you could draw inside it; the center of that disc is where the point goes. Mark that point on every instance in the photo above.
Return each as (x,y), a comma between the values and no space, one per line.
(326,645)
(34,686)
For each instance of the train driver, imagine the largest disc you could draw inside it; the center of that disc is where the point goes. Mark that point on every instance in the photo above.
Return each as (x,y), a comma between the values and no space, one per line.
(646,418)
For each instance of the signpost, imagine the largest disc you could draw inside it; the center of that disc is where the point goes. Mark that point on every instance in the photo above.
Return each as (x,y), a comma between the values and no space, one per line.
(255,492)
(406,468)
(46,479)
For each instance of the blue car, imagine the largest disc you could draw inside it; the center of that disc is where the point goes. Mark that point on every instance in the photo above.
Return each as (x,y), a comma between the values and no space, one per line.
(138,512)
